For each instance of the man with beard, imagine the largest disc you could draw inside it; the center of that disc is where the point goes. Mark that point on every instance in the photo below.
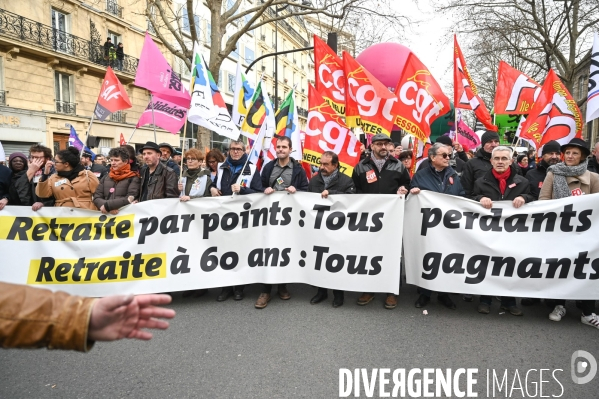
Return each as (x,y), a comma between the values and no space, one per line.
(281,174)
(330,181)
(23,190)
(233,178)
(550,156)
(380,173)
(167,152)
(157,181)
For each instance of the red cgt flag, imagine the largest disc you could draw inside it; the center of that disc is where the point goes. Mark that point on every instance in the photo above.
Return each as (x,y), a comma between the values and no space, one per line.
(465,94)
(113,96)
(369,104)
(122,140)
(420,99)
(554,116)
(326,131)
(330,79)
(516,92)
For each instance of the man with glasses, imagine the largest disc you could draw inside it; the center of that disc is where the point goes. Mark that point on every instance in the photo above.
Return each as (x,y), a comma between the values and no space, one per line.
(501,183)
(236,175)
(24,186)
(380,173)
(439,177)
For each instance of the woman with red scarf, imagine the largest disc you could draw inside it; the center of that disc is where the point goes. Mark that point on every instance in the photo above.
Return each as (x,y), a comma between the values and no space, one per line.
(121,186)
(501,183)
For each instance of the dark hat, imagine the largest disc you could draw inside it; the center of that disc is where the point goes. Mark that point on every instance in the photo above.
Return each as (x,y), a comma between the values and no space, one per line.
(444,140)
(177,151)
(580,143)
(17,155)
(170,147)
(86,154)
(150,145)
(521,157)
(487,136)
(551,146)
(380,137)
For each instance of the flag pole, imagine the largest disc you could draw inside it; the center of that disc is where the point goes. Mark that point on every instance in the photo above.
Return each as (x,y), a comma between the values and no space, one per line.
(191,84)
(132,133)
(248,159)
(91,122)
(153,124)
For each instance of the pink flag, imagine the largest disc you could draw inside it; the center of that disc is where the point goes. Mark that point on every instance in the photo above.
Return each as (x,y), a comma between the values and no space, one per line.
(155,74)
(167,115)
(466,136)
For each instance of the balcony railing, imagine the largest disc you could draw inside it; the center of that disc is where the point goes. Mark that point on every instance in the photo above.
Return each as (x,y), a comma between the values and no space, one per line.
(302,112)
(2,97)
(119,117)
(113,8)
(29,31)
(63,107)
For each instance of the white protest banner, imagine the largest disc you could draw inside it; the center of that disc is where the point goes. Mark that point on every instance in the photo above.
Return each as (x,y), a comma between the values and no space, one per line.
(546,249)
(345,242)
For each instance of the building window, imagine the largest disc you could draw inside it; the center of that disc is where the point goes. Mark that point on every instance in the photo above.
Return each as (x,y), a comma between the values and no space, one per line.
(112,7)
(2,92)
(581,83)
(231,83)
(115,38)
(249,55)
(60,25)
(63,85)
(220,80)
(185,22)
(208,31)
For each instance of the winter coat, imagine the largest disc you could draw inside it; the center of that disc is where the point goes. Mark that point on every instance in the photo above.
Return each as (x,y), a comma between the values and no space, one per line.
(588,183)
(340,184)
(120,53)
(200,187)
(163,184)
(228,178)
(76,193)
(36,318)
(99,170)
(593,165)
(121,190)
(488,186)
(25,190)
(299,180)
(536,177)
(5,175)
(174,166)
(393,175)
(428,179)
(476,168)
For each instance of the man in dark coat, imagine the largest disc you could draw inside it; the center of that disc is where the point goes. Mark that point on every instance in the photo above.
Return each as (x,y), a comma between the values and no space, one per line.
(25,185)
(550,156)
(330,181)
(99,170)
(458,157)
(281,174)
(168,151)
(231,179)
(593,164)
(441,178)
(380,173)
(157,181)
(501,183)
(481,163)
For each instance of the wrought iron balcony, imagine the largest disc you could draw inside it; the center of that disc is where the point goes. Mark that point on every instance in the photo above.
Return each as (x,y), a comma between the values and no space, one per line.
(113,8)
(302,112)
(63,107)
(119,117)
(29,31)
(2,97)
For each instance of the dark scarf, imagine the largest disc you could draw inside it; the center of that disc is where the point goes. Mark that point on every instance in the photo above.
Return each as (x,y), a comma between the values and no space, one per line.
(236,165)
(485,155)
(328,179)
(71,174)
(502,178)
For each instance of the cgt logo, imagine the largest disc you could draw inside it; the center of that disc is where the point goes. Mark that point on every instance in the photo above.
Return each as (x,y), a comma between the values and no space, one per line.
(582,363)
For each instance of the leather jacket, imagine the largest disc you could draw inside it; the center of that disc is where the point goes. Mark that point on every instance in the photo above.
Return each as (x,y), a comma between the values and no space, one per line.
(163,184)
(36,318)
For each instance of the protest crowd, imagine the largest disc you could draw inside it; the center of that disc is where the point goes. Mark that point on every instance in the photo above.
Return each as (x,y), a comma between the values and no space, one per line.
(556,167)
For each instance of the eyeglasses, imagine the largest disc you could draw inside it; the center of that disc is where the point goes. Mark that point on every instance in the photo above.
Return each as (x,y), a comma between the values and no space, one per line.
(191,159)
(213,161)
(444,155)
(236,149)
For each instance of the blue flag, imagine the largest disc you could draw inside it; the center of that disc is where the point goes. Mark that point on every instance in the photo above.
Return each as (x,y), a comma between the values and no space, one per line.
(78,144)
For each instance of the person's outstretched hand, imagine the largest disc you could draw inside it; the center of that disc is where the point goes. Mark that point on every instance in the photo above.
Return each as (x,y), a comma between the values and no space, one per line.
(125,316)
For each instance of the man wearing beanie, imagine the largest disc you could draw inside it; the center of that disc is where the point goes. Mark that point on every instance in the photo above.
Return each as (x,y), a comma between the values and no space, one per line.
(481,163)
(550,156)
(458,157)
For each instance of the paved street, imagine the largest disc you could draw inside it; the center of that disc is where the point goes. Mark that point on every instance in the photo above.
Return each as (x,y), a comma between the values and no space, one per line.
(293,349)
